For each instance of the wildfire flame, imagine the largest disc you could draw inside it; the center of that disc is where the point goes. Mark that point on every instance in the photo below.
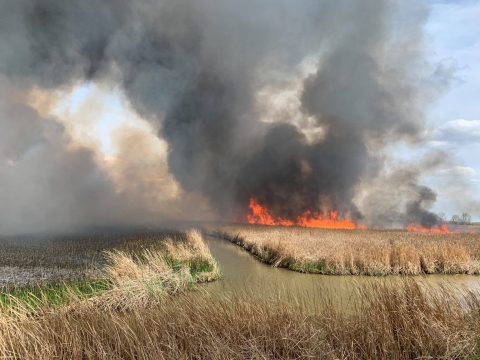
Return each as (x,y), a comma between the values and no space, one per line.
(261,215)
(443,229)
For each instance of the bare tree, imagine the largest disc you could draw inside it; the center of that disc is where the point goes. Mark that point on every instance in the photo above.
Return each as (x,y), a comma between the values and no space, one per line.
(456,218)
(442,216)
(465,219)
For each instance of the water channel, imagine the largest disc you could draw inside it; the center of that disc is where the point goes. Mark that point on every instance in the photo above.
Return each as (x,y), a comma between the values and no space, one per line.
(243,272)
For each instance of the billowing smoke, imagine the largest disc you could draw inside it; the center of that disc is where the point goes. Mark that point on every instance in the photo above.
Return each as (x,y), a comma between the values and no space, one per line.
(200,69)
(41,180)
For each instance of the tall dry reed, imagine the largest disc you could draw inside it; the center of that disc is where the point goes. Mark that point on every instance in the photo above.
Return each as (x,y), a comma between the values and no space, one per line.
(410,321)
(146,277)
(130,279)
(357,252)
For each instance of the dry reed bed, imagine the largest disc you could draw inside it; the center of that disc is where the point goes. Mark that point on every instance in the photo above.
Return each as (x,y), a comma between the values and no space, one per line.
(136,320)
(132,279)
(144,278)
(74,250)
(357,252)
(28,260)
(409,321)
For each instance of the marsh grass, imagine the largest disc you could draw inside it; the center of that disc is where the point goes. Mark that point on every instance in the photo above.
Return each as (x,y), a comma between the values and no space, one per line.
(134,318)
(31,260)
(78,251)
(145,278)
(129,278)
(35,297)
(356,252)
(406,321)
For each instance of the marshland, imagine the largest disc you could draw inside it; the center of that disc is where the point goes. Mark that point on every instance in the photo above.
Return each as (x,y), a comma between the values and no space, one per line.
(185,179)
(34,258)
(359,252)
(156,294)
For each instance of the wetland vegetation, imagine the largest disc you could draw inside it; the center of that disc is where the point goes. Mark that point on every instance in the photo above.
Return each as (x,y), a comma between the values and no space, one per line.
(359,252)
(162,263)
(139,308)
(30,260)
(404,322)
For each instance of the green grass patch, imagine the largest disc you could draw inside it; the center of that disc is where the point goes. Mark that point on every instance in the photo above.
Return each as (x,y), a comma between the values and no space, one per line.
(51,294)
(197,266)
(310,267)
(54,294)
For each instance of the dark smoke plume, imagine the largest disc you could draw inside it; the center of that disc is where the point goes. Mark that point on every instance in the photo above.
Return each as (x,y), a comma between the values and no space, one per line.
(417,213)
(198,68)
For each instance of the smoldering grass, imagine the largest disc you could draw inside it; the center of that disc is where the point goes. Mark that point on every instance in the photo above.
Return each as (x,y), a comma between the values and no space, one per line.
(77,250)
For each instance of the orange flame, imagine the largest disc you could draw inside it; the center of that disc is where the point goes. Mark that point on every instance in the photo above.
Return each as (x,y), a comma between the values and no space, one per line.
(261,215)
(434,230)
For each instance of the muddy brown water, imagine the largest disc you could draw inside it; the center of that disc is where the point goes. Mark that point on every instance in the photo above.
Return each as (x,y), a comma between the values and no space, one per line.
(243,272)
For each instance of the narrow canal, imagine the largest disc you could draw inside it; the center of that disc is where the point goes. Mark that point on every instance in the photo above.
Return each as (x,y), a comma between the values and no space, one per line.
(243,272)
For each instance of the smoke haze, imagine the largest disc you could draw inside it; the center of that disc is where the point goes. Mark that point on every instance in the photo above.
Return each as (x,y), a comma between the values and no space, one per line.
(294,103)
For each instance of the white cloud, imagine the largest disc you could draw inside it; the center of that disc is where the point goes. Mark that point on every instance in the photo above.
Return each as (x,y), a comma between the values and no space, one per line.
(436,143)
(462,125)
(459,170)
(460,131)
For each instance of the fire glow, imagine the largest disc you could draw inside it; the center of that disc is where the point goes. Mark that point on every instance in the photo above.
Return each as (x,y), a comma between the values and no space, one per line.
(261,215)
(443,229)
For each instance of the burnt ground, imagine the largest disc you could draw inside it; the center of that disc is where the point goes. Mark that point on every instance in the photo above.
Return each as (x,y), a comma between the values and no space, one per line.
(41,258)
(475,227)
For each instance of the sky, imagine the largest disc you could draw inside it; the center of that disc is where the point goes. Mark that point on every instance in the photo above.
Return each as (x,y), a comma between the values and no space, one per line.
(453,122)
(453,32)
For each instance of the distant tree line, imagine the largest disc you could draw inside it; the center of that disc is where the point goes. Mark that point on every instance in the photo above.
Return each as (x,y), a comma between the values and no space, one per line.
(464,219)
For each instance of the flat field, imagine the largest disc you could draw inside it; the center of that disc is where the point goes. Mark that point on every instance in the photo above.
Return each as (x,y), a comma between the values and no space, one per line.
(27,260)
(356,252)
(139,269)
(474,227)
